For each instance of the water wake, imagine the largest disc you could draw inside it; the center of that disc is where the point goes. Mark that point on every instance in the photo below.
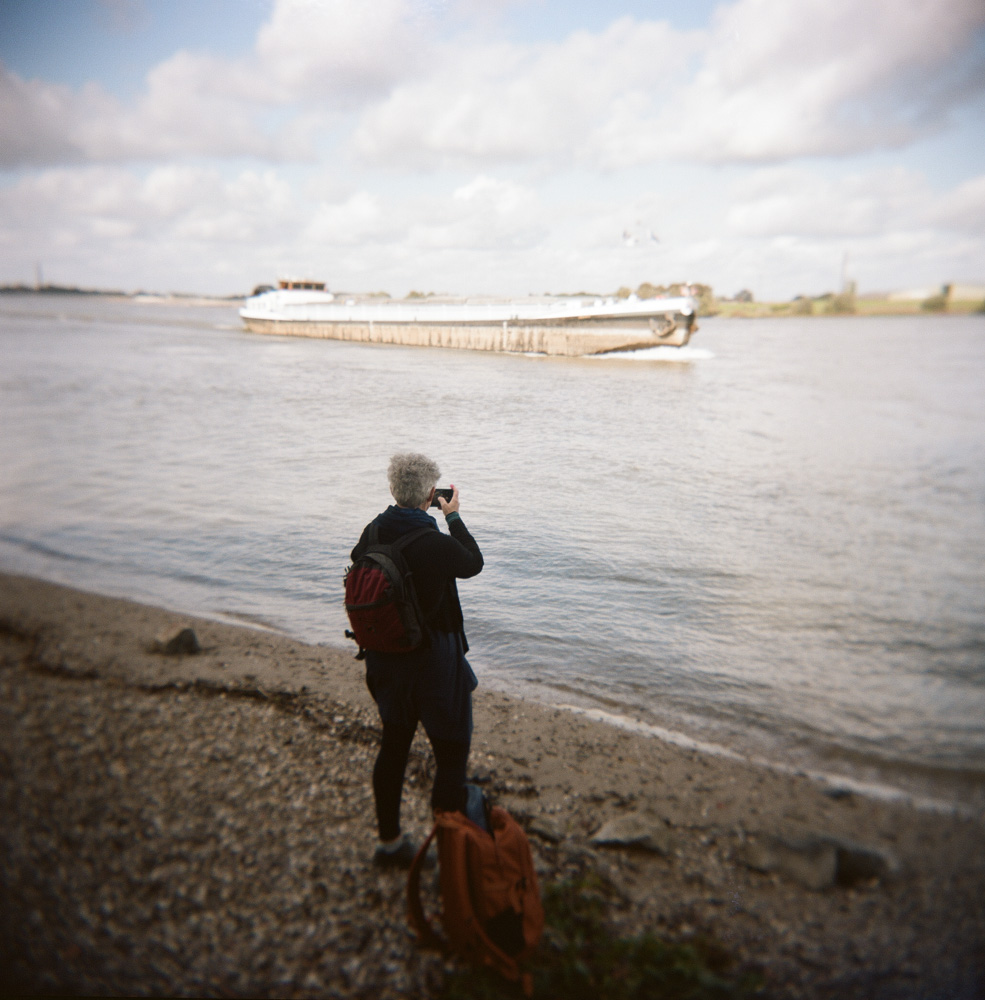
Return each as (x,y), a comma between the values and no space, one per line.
(659,353)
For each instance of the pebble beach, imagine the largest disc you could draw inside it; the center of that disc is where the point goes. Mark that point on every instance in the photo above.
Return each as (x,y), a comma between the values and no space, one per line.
(201,824)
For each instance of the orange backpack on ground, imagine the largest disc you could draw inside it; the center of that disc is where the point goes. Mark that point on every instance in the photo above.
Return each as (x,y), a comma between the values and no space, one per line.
(492,913)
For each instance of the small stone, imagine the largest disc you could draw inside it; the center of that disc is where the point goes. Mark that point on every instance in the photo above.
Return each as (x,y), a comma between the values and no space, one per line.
(118,770)
(548,829)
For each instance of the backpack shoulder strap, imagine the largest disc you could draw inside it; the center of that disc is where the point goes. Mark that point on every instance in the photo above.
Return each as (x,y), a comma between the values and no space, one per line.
(427,936)
(404,540)
(373,537)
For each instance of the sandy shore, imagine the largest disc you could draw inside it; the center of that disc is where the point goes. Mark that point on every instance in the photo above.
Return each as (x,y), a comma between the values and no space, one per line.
(202,825)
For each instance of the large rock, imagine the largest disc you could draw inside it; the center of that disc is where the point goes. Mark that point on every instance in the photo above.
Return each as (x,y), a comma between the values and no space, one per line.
(635,830)
(181,643)
(861,863)
(810,863)
(817,861)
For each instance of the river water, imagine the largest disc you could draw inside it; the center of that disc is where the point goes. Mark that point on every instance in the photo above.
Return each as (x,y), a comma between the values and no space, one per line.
(772,541)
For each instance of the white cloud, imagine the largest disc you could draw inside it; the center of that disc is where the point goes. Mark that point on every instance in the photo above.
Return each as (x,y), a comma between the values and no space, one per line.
(961,210)
(770,81)
(312,58)
(106,206)
(36,119)
(498,197)
(67,194)
(358,219)
(193,106)
(340,51)
(786,201)
(507,102)
(208,227)
(483,214)
(821,78)
(898,230)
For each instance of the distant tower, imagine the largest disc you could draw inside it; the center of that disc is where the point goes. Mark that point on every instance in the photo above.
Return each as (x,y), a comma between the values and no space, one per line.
(38,277)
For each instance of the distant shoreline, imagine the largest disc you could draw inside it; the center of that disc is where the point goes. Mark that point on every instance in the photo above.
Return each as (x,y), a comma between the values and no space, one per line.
(110,293)
(825,307)
(803,308)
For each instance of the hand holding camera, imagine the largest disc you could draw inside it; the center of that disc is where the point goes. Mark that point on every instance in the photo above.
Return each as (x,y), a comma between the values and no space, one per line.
(446,499)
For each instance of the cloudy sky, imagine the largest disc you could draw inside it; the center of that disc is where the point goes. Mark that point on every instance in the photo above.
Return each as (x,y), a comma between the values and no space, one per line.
(497,146)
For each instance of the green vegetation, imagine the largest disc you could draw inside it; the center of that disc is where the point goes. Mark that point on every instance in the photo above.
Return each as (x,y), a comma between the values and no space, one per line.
(648,291)
(936,303)
(707,306)
(581,959)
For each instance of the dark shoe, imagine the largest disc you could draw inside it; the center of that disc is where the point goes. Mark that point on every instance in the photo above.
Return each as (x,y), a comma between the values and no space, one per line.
(401,857)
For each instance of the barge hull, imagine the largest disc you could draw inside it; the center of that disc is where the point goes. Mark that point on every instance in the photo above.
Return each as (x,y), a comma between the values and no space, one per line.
(515,338)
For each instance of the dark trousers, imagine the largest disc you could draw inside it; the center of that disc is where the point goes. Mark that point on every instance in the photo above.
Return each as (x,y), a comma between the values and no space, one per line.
(451,758)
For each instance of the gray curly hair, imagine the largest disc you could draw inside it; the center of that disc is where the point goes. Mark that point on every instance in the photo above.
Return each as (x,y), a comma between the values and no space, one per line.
(411,477)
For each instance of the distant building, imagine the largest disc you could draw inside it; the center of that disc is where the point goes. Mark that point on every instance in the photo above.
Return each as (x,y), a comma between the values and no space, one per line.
(954,293)
(964,293)
(913,295)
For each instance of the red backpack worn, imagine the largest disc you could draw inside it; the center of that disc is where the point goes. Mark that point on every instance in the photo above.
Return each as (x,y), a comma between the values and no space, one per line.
(380,598)
(491,909)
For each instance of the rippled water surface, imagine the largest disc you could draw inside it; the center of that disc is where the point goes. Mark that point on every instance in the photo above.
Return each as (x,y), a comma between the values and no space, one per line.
(773,540)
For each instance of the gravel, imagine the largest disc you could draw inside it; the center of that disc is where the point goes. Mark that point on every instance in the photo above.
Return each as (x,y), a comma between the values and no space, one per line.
(167,830)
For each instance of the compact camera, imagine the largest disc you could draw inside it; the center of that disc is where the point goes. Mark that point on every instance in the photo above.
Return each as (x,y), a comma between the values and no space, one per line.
(446,493)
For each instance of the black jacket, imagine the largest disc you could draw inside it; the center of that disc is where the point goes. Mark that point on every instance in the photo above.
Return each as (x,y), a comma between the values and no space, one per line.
(435,559)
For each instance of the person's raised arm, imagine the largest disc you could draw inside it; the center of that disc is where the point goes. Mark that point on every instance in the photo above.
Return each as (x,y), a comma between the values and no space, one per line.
(465,558)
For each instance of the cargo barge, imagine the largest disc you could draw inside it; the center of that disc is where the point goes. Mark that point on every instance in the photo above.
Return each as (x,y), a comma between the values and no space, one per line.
(569,327)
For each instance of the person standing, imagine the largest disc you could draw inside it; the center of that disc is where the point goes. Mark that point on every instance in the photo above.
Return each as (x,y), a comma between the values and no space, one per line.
(431,685)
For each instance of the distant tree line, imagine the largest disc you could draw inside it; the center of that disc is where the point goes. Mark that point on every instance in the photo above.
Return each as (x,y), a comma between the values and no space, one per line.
(21,289)
(703,293)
